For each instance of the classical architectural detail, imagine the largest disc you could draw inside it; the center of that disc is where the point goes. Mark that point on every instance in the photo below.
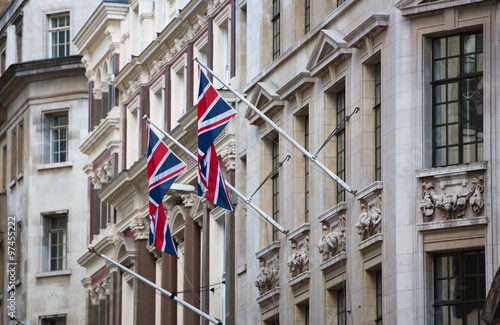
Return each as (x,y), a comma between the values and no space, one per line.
(333,241)
(369,221)
(268,277)
(452,204)
(227,153)
(188,199)
(140,228)
(298,262)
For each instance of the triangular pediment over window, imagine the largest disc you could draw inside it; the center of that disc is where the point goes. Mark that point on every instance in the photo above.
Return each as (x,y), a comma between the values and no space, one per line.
(330,49)
(422,8)
(266,100)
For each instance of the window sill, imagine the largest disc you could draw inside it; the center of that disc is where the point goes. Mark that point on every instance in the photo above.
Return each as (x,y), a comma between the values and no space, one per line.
(47,274)
(55,165)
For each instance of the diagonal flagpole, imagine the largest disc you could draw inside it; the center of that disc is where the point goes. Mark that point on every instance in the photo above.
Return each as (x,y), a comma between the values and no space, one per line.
(262,213)
(283,133)
(155,286)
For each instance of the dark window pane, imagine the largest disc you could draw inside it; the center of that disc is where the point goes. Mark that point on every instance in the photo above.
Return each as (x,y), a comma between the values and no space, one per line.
(439,48)
(469,43)
(454,45)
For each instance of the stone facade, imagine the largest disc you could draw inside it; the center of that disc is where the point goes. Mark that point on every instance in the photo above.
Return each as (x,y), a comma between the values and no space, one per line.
(43,116)
(372,256)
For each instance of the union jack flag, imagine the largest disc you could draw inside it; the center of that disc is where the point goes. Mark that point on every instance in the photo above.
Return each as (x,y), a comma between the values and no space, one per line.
(213,115)
(163,168)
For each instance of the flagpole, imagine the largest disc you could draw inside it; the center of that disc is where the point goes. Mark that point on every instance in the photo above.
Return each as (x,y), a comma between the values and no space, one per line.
(283,133)
(262,213)
(155,286)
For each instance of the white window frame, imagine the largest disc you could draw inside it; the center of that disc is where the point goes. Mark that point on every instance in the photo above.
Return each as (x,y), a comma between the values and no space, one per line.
(51,30)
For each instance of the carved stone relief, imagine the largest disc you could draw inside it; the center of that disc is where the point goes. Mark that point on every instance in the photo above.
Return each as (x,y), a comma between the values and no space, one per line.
(333,240)
(369,220)
(298,262)
(140,228)
(268,277)
(452,204)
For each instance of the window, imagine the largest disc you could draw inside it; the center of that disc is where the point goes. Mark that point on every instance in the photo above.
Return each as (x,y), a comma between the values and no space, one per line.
(276,185)
(457,100)
(276,29)
(20,148)
(58,135)
(378,297)
(57,242)
(3,59)
(339,2)
(341,307)
(13,154)
(340,144)
(59,36)
(4,167)
(53,320)
(306,169)
(308,16)
(459,287)
(378,135)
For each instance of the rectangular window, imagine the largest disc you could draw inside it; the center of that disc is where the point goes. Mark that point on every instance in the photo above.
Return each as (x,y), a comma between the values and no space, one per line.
(20,148)
(378,297)
(378,135)
(340,144)
(13,154)
(4,167)
(57,242)
(459,287)
(58,133)
(341,307)
(276,29)
(59,36)
(339,2)
(53,320)
(276,185)
(306,169)
(3,59)
(308,16)
(457,99)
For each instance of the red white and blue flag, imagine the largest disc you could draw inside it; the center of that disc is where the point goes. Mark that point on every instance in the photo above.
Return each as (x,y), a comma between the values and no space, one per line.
(213,115)
(163,168)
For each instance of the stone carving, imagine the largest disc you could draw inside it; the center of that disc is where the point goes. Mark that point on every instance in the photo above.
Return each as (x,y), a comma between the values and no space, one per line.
(298,262)
(454,205)
(94,297)
(140,228)
(369,221)
(332,242)
(268,277)
(188,199)
(227,153)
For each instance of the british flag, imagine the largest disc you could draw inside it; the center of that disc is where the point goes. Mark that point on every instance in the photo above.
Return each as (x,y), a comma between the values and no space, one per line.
(163,168)
(213,115)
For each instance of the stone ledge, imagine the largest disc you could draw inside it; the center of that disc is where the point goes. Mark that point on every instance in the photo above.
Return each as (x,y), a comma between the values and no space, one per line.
(333,261)
(442,171)
(301,278)
(452,223)
(370,242)
(47,274)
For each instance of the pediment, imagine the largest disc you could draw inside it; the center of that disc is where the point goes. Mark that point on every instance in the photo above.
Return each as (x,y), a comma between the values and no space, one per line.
(330,49)
(267,100)
(421,8)
(298,84)
(370,28)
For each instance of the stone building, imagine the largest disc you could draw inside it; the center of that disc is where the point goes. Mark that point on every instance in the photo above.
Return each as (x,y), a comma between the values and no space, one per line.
(138,58)
(418,243)
(43,110)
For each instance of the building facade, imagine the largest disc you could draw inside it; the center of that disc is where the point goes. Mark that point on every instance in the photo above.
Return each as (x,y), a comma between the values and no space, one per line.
(43,110)
(138,57)
(405,93)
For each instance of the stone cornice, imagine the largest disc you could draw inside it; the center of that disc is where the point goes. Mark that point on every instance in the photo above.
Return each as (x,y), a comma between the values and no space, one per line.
(99,134)
(95,28)
(412,10)
(371,27)
(301,82)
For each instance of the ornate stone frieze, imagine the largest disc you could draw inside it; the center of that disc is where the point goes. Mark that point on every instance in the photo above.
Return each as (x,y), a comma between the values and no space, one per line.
(268,277)
(140,228)
(298,262)
(228,153)
(369,220)
(453,204)
(333,240)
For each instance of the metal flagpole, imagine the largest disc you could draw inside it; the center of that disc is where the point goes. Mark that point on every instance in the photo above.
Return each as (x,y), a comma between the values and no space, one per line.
(283,133)
(262,213)
(151,284)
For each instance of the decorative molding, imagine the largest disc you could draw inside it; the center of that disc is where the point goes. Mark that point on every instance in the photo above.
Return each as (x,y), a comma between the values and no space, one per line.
(268,277)
(414,9)
(298,84)
(369,29)
(330,49)
(140,228)
(369,221)
(228,154)
(266,100)
(333,240)
(298,262)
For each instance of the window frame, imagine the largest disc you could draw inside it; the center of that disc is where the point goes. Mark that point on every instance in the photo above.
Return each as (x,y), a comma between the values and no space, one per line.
(460,110)
(342,306)
(51,30)
(340,111)
(47,255)
(57,128)
(378,121)
(378,298)
(306,170)
(461,284)
(275,183)
(307,14)
(276,28)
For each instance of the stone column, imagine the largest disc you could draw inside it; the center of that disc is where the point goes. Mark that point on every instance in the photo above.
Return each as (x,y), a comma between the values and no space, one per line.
(169,283)
(205,274)
(191,261)
(145,265)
